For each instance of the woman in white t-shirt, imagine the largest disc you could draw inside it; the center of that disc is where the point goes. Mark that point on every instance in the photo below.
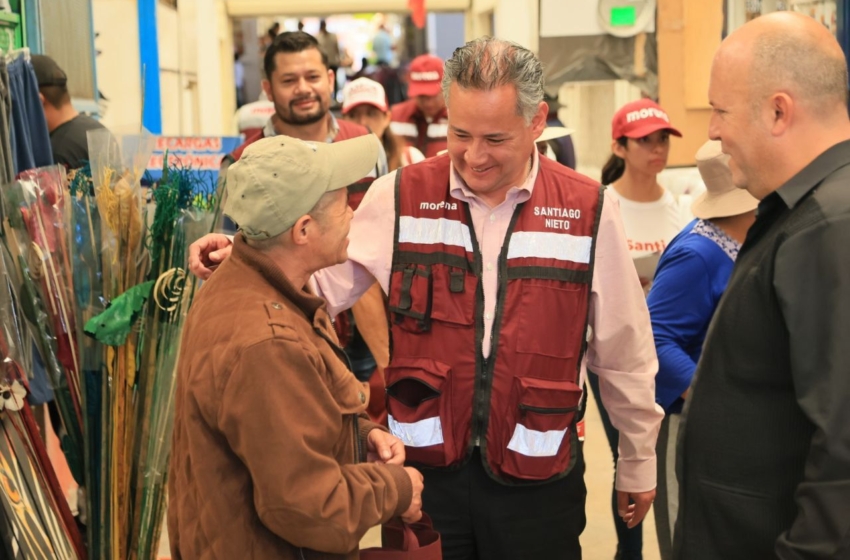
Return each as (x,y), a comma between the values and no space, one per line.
(365,102)
(652,217)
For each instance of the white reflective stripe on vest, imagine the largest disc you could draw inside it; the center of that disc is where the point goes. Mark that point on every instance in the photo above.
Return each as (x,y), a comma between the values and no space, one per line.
(431,231)
(532,443)
(438,130)
(418,434)
(404,129)
(546,245)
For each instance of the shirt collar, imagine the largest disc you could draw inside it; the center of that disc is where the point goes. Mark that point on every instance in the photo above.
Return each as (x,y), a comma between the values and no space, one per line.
(333,128)
(811,176)
(520,193)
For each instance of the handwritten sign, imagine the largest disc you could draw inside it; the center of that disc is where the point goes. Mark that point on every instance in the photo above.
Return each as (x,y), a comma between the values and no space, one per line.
(201,154)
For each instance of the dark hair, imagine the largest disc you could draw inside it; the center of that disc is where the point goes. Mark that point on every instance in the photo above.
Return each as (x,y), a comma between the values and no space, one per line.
(290,42)
(616,165)
(57,96)
(272,31)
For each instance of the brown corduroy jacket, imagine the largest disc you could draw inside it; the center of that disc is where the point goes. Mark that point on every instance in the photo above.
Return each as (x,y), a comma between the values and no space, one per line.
(269,430)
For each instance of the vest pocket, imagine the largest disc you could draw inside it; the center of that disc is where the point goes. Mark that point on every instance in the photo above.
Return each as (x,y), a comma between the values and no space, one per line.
(419,409)
(410,297)
(551,318)
(540,443)
(453,295)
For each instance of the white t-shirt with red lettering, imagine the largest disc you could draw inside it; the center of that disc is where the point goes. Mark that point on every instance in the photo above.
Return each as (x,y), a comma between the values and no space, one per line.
(650,226)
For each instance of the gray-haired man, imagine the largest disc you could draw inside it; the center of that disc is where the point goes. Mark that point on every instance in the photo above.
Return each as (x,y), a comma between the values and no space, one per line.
(495,261)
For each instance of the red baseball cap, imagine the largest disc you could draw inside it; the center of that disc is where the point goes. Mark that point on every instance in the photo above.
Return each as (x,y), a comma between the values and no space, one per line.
(640,118)
(426,76)
(363,91)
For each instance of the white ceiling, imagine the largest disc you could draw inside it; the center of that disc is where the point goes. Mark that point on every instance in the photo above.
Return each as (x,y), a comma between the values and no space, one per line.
(254,8)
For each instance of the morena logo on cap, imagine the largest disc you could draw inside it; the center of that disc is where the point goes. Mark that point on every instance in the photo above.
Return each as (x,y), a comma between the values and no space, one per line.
(425,76)
(362,87)
(646,113)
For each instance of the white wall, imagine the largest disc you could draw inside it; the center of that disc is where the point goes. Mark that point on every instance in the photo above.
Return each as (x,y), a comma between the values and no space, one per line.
(118,74)
(196,66)
(515,20)
(168,28)
(216,86)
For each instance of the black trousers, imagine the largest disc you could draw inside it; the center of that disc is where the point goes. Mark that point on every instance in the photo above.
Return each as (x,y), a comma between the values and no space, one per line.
(481,519)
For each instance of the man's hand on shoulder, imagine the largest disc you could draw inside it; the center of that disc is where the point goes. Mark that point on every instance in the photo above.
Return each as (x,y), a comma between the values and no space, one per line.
(385,448)
(207,253)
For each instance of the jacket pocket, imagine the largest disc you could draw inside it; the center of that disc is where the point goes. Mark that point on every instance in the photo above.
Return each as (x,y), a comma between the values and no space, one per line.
(453,295)
(410,297)
(419,409)
(541,442)
(741,521)
(551,318)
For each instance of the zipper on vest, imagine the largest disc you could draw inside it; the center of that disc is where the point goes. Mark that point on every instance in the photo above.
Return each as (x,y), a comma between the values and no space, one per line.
(479,402)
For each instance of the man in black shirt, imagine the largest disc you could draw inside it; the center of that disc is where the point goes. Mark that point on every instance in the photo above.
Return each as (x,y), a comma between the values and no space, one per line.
(67,127)
(764,453)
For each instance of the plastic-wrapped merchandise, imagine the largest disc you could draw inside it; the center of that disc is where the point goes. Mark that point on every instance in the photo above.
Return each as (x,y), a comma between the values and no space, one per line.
(35,298)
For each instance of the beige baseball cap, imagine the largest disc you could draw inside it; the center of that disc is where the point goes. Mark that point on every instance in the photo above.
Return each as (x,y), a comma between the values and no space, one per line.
(279,179)
(721,197)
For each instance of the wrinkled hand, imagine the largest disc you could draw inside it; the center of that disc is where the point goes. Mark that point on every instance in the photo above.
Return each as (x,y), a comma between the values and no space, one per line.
(633,513)
(414,512)
(207,253)
(384,447)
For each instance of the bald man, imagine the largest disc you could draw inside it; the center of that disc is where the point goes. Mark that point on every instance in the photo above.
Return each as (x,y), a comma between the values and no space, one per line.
(765,448)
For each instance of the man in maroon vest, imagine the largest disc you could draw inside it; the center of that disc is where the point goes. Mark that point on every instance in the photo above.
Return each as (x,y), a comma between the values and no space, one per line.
(422,120)
(503,271)
(299,84)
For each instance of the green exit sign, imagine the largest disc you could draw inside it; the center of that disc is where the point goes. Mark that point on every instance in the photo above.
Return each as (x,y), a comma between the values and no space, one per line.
(623,16)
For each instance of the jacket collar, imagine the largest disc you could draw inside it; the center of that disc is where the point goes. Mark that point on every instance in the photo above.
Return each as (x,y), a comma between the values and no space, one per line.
(257,262)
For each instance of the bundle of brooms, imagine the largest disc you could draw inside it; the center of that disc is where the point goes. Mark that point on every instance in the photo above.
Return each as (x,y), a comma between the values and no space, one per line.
(105,269)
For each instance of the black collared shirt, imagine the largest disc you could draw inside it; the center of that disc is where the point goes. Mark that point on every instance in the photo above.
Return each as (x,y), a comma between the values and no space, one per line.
(765,450)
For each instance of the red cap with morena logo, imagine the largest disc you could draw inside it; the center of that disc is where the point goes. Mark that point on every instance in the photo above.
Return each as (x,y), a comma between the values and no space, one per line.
(640,118)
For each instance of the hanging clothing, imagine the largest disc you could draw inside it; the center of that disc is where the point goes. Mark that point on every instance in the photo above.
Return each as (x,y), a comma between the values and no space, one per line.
(7,166)
(30,139)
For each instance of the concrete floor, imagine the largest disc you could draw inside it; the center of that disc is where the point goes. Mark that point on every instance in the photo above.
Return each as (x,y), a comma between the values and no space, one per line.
(599,541)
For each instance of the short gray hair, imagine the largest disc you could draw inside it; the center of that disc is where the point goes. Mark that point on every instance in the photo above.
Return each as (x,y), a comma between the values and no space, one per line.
(488,63)
(317,212)
(787,61)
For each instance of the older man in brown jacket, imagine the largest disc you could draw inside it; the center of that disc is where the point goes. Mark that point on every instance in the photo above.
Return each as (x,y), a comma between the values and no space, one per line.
(270,437)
